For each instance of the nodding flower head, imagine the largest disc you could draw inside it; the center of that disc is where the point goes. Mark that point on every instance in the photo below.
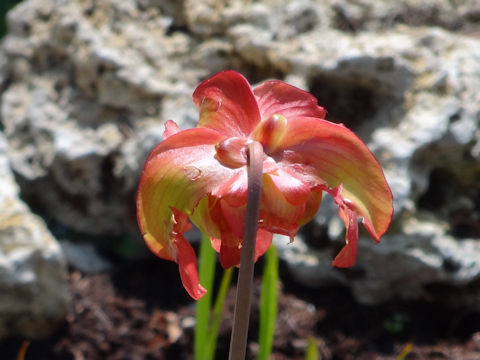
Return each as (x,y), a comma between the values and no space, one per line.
(200,174)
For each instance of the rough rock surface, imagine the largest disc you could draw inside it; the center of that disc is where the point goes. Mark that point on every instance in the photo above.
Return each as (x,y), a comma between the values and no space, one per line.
(33,285)
(88,85)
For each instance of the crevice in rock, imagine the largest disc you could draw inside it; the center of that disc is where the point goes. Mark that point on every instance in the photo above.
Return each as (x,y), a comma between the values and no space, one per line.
(354,273)
(253,72)
(455,201)
(360,101)
(316,237)
(107,179)
(448,295)
(258,73)
(353,18)
(50,58)
(441,182)
(349,100)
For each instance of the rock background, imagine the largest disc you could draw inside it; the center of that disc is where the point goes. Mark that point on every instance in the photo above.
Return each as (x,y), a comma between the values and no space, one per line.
(87,85)
(33,289)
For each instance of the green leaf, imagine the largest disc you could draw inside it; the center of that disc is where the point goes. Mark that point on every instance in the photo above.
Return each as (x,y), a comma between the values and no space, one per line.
(268,303)
(312,350)
(208,319)
(206,275)
(217,313)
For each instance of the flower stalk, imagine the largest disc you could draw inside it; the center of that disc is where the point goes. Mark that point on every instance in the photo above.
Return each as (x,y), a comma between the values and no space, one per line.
(238,342)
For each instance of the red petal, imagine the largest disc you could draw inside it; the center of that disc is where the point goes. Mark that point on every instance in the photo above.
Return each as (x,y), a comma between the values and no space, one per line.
(180,222)
(187,266)
(216,244)
(293,189)
(348,254)
(180,172)
(230,221)
(186,139)
(264,240)
(226,104)
(235,218)
(234,190)
(311,206)
(230,247)
(277,214)
(276,97)
(324,154)
(229,253)
(202,217)
(171,128)
(214,223)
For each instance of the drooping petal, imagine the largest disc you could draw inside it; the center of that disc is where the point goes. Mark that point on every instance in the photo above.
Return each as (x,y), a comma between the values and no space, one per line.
(347,256)
(277,213)
(215,221)
(264,240)
(232,235)
(276,97)
(187,267)
(230,254)
(203,219)
(180,171)
(226,230)
(292,188)
(234,218)
(230,221)
(311,206)
(325,154)
(230,250)
(227,104)
(234,190)
(176,175)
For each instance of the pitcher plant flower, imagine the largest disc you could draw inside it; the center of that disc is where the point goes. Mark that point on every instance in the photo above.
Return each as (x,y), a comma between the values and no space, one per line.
(200,174)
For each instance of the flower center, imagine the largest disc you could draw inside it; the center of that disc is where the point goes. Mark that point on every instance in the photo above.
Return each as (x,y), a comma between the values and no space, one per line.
(232,152)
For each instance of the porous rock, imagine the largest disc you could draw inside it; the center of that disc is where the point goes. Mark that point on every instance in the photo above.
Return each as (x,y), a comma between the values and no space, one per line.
(33,289)
(87,86)
(422,123)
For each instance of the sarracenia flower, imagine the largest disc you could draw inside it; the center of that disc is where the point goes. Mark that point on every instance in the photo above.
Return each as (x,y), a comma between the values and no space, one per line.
(201,174)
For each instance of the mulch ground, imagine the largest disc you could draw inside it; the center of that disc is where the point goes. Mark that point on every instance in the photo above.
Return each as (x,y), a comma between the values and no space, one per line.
(140,311)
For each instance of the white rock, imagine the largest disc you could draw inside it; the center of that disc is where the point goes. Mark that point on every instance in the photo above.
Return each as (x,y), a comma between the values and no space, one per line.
(33,288)
(402,266)
(84,257)
(87,88)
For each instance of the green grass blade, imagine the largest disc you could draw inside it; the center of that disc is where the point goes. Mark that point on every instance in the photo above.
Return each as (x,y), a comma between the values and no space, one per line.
(217,312)
(268,303)
(206,274)
(312,350)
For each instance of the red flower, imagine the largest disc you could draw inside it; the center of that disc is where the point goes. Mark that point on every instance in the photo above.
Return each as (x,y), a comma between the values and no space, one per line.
(200,174)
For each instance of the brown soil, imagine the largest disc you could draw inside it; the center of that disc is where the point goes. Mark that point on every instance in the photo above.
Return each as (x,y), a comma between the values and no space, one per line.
(140,311)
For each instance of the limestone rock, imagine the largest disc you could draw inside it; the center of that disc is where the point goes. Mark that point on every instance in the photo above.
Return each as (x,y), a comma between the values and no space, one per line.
(84,257)
(422,261)
(33,289)
(87,86)
(422,123)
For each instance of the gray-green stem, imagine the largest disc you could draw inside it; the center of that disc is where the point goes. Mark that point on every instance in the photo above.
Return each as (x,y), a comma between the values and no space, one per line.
(241,318)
